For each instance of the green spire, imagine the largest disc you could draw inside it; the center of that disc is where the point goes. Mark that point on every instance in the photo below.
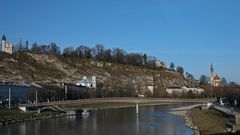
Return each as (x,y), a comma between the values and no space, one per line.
(211,69)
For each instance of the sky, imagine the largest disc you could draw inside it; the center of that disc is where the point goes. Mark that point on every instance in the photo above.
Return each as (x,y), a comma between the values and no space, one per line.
(191,33)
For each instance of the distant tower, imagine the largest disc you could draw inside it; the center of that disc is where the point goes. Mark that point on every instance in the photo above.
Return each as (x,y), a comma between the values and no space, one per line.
(3,42)
(211,74)
(6,46)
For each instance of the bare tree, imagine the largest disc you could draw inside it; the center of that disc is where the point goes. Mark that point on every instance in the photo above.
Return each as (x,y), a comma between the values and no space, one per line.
(145,59)
(223,81)
(203,80)
(99,52)
(68,51)
(152,62)
(180,70)
(118,55)
(54,49)
(108,55)
(36,48)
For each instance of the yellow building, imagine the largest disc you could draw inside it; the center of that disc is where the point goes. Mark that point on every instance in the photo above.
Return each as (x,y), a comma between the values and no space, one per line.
(216,80)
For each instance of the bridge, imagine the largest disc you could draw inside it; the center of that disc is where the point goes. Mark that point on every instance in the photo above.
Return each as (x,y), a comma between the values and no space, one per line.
(110,100)
(118,99)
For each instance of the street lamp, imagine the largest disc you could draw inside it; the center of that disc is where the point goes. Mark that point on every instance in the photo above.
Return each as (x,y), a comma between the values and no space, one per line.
(9,98)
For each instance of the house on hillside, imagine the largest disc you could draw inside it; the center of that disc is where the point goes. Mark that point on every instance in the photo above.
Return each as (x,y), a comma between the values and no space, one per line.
(172,90)
(89,83)
(160,64)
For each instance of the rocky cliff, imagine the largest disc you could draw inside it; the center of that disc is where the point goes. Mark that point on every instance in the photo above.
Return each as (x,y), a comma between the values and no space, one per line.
(55,69)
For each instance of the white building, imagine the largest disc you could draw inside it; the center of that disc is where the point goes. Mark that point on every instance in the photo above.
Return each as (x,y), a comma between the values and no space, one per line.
(6,47)
(150,88)
(172,90)
(160,64)
(184,89)
(89,83)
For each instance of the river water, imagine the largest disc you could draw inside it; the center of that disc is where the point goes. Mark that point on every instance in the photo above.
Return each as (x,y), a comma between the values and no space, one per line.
(153,120)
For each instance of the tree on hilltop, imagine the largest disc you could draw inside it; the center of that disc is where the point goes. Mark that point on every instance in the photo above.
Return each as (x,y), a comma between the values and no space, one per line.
(180,70)
(223,81)
(172,66)
(189,76)
(203,80)
(145,59)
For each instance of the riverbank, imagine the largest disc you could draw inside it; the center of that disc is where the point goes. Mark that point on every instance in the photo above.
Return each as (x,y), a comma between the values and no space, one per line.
(181,113)
(209,122)
(188,120)
(15,115)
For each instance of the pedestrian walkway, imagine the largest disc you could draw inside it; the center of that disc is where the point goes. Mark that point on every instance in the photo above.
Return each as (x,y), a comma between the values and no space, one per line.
(227,110)
(186,107)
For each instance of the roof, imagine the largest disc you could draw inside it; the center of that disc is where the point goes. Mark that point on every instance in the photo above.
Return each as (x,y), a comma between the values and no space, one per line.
(216,77)
(86,81)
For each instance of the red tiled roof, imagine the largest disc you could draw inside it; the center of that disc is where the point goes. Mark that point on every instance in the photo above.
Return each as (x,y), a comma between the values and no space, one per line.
(216,77)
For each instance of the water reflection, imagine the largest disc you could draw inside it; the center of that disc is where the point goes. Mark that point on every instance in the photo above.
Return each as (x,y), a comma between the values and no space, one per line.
(137,125)
(153,120)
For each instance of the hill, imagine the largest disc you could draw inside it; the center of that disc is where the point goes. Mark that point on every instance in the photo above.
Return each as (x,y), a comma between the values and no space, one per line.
(43,68)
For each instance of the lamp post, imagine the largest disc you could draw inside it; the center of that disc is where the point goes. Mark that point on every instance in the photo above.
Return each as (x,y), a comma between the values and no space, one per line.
(9,98)
(65,91)
(36,98)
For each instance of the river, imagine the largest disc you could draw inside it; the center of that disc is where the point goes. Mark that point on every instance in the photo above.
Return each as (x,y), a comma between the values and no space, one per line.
(153,120)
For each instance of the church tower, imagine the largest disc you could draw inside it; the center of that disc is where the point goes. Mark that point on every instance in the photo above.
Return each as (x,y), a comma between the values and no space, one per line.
(211,74)
(3,42)
(6,46)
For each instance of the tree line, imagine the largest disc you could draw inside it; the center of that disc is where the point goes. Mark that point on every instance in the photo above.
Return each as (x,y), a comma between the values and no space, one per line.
(115,55)
(100,53)
(205,80)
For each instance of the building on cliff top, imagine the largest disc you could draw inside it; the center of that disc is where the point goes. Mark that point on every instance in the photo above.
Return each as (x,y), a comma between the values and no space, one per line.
(160,64)
(6,46)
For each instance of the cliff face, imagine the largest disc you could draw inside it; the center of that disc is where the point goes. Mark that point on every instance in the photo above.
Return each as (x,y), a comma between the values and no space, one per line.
(54,69)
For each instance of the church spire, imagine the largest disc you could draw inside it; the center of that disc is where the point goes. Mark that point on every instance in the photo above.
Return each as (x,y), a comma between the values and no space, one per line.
(211,69)
(211,74)
(4,37)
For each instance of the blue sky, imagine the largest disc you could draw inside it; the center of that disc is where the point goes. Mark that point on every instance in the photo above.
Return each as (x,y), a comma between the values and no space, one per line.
(190,33)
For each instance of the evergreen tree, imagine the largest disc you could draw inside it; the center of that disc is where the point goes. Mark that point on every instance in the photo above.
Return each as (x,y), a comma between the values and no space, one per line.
(172,66)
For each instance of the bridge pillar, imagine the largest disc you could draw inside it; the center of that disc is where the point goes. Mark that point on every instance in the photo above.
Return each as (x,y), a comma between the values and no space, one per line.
(39,110)
(237,118)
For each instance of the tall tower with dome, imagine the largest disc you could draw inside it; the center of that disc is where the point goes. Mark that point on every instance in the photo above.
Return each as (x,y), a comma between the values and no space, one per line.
(215,80)
(211,74)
